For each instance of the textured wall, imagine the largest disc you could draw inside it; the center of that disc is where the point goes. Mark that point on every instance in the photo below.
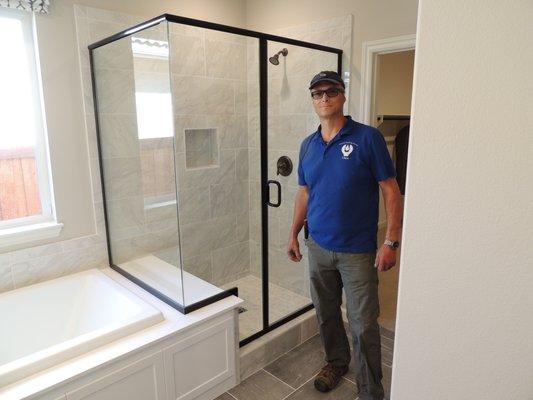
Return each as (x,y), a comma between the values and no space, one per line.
(464,309)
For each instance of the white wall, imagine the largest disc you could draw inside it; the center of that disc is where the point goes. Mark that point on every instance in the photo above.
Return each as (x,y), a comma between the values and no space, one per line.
(464,327)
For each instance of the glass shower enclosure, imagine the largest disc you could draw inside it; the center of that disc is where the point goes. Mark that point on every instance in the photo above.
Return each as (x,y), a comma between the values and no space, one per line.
(199,127)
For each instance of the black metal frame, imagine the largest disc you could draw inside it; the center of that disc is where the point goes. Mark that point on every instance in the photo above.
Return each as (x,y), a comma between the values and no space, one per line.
(263,92)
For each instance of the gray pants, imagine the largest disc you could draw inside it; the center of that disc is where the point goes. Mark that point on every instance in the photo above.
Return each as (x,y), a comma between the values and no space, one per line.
(329,272)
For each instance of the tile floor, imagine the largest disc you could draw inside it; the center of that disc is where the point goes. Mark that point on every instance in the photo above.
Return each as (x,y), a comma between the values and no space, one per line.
(291,376)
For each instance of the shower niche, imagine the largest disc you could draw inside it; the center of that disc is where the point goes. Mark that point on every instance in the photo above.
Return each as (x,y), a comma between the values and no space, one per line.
(192,118)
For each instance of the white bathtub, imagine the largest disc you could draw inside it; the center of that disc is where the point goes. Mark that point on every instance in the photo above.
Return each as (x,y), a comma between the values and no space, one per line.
(45,324)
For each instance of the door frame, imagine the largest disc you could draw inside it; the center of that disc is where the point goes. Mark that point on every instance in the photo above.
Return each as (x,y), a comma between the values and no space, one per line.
(371,49)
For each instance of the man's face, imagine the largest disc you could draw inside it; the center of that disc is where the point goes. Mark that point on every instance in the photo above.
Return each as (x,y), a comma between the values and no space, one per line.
(326,107)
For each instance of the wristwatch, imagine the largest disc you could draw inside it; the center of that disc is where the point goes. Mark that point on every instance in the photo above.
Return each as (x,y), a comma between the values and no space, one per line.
(392,244)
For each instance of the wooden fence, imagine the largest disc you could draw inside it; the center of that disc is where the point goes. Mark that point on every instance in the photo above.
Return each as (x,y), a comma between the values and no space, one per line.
(19,185)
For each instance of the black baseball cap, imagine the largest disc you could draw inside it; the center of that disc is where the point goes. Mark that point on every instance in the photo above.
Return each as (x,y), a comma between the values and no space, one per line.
(326,76)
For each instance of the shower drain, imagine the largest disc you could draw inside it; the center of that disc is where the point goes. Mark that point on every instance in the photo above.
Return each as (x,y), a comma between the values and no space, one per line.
(242,309)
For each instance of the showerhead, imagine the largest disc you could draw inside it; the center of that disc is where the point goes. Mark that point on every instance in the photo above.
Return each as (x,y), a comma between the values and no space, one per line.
(275,58)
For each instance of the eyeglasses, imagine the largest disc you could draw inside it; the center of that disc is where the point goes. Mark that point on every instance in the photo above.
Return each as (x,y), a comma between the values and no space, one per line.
(333,92)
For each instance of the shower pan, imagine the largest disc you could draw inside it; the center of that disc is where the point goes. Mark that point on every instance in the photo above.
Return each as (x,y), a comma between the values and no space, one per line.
(198,134)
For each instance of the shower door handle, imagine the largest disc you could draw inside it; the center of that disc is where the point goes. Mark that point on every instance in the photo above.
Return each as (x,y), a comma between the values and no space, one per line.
(279,193)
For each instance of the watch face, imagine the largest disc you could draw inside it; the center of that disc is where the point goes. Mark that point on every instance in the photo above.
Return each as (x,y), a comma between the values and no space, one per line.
(396,245)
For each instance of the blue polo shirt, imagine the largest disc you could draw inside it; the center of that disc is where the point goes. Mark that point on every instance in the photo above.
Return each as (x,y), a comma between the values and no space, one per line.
(342,177)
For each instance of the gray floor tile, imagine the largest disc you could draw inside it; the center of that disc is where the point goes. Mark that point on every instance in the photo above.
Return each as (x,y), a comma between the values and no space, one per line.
(225,396)
(387,333)
(299,364)
(261,386)
(344,391)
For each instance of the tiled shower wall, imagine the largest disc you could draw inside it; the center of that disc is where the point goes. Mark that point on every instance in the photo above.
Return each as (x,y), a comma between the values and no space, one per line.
(217,205)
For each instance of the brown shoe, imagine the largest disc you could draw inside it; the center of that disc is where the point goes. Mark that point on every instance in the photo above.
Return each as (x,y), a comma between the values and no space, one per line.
(329,377)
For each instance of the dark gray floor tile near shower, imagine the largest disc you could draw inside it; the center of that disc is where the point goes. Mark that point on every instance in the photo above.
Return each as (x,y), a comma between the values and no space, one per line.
(386,381)
(225,396)
(261,386)
(299,364)
(386,356)
(386,333)
(387,342)
(344,391)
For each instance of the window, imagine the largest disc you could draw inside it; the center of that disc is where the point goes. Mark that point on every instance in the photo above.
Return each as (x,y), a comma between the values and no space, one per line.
(25,185)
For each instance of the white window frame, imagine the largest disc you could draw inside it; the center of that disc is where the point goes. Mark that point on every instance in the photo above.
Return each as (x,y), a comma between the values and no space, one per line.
(35,227)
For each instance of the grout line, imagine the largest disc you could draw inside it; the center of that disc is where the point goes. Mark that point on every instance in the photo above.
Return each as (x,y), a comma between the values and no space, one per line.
(298,388)
(285,383)
(229,394)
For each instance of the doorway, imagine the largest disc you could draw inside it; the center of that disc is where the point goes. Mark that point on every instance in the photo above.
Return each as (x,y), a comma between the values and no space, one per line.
(386,105)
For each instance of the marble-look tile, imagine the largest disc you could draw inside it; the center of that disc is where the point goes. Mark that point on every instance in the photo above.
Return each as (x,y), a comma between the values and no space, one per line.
(155,32)
(231,130)
(241,97)
(99,30)
(115,55)
(199,266)
(118,135)
(88,102)
(83,242)
(300,364)
(285,340)
(187,55)
(292,129)
(193,204)
(222,173)
(35,252)
(228,198)
(243,227)
(161,213)
(255,258)
(261,386)
(79,11)
(309,327)
(125,213)
(6,277)
(82,36)
(170,255)
(241,164)
(122,177)
(252,356)
(197,238)
(199,95)
(219,36)
(234,56)
(186,30)
(115,91)
(230,261)
(38,270)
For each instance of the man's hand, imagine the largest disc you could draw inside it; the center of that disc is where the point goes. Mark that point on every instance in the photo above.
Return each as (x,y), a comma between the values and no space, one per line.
(385,258)
(293,249)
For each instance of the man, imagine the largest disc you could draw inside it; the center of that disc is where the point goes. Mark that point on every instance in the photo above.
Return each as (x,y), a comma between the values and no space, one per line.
(340,168)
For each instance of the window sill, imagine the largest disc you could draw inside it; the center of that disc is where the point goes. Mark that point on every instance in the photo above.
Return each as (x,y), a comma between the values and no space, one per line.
(29,233)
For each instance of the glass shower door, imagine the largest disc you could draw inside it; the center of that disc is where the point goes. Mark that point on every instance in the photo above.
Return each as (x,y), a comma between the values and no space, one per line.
(291,118)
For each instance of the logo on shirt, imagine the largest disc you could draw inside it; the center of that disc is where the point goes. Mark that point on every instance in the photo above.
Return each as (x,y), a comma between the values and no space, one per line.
(347,149)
